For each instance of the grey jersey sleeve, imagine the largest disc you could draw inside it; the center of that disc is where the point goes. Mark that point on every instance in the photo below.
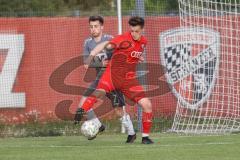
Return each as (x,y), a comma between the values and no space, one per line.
(86,52)
(89,45)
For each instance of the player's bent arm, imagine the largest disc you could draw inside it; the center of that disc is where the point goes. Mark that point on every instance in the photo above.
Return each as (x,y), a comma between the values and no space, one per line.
(98,48)
(94,52)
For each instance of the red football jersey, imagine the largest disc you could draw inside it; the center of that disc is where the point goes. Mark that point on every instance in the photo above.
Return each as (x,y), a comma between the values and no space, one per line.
(121,71)
(125,45)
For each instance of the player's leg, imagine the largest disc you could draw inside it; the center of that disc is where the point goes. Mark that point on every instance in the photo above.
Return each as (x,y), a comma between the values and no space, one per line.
(86,108)
(135,92)
(104,86)
(126,120)
(147,115)
(118,102)
(90,113)
(87,93)
(87,104)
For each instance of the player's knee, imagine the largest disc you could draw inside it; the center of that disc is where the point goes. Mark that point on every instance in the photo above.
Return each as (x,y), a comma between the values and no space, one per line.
(118,112)
(146,104)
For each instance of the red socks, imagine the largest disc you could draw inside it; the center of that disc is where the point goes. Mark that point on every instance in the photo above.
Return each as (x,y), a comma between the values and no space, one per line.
(146,117)
(146,123)
(89,102)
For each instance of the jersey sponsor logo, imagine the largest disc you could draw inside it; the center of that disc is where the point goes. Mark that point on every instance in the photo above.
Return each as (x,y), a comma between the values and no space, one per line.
(136,54)
(191,60)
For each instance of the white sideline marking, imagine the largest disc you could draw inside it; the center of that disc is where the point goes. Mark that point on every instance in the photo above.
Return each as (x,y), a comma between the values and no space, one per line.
(124,146)
(197,136)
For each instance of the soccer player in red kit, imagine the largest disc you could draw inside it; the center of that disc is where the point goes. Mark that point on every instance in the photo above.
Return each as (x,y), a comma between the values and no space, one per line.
(120,73)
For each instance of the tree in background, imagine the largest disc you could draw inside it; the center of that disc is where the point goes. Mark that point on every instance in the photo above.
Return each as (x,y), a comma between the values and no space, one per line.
(22,8)
(152,6)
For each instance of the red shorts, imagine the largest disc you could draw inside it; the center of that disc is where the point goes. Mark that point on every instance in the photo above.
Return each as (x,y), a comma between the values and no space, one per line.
(129,86)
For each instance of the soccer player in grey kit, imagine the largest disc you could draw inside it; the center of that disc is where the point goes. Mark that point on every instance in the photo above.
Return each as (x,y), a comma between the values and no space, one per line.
(100,62)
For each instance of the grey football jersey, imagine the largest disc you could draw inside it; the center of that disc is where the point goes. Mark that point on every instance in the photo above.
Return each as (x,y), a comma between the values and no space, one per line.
(89,45)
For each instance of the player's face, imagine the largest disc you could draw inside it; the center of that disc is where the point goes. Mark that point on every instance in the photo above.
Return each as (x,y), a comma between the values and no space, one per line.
(95,28)
(136,32)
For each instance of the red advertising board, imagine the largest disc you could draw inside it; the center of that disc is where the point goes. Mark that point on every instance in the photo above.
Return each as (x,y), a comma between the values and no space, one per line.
(33,48)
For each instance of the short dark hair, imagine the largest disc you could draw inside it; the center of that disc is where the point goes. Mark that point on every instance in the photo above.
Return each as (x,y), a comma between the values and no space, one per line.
(96,18)
(136,21)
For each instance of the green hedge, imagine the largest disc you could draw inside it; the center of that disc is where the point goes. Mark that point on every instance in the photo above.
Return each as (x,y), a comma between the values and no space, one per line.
(67,128)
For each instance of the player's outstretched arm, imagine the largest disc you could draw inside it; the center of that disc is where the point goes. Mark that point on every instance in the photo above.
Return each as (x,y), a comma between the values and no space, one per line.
(94,52)
(98,48)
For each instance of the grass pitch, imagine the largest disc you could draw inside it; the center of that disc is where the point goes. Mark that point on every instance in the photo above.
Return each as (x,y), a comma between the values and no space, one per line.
(112,147)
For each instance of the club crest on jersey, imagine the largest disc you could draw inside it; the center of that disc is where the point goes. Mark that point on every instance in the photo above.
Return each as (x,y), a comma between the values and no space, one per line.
(190,57)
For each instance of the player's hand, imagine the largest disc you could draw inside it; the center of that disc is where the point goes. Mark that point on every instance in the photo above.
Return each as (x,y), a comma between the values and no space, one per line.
(141,59)
(88,61)
(86,66)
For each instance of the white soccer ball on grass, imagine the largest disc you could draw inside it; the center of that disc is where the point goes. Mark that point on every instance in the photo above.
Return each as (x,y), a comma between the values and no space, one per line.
(89,128)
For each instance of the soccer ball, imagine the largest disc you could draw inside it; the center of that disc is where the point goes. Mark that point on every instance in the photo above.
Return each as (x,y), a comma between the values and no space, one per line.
(89,128)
